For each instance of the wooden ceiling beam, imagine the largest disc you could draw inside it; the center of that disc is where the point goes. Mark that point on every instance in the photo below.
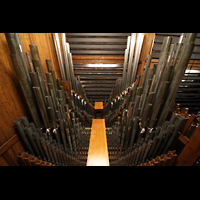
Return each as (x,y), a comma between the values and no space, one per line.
(98,59)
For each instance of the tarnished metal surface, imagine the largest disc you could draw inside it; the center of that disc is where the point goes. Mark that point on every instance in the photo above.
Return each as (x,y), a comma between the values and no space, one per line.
(144,114)
(23,79)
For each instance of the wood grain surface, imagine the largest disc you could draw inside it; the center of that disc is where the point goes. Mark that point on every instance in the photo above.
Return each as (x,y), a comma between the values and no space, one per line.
(98,105)
(98,149)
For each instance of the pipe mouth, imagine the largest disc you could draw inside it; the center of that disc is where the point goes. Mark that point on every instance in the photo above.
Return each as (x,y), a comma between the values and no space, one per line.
(36,87)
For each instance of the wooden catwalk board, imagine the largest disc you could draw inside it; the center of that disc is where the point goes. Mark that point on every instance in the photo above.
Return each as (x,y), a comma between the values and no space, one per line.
(98,105)
(98,149)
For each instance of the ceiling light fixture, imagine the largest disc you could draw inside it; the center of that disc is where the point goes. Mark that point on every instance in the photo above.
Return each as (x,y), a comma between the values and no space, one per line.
(103,65)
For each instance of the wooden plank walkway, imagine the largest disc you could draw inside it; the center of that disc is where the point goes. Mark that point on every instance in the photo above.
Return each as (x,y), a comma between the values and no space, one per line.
(98,149)
(98,105)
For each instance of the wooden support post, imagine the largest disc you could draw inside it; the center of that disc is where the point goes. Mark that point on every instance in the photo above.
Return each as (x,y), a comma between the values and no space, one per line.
(147,47)
(98,107)
(191,120)
(67,87)
(191,151)
(183,139)
(98,149)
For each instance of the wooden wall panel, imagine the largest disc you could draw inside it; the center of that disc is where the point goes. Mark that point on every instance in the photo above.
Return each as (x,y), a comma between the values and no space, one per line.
(12,102)
(3,162)
(10,157)
(193,64)
(191,151)
(11,106)
(98,59)
(45,44)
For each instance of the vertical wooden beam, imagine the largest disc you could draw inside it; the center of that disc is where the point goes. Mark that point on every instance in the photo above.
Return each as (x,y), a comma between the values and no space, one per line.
(67,87)
(147,47)
(98,149)
(191,151)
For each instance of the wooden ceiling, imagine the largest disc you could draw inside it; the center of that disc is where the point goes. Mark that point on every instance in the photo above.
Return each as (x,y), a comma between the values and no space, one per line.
(102,48)
(106,50)
(109,48)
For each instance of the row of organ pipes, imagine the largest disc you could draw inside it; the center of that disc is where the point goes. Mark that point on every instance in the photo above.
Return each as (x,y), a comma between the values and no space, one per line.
(61,119)
(135,114)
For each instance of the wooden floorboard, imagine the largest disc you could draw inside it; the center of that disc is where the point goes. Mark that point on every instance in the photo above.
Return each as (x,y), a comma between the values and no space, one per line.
(98,149)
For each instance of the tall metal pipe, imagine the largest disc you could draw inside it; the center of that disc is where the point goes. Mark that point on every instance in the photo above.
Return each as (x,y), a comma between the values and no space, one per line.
(144,95)
(72,71)
(32,141)
(37,141)
(66,59)
(157,103)
(162,60)
(59,56)
(124,67)
(178,49)
(23,57)
(132,48)
(168,68)
(185,56)
(140,37)
(177,125)
(42,106)
(149,57)
(36,56)
(26,88)
(20,128)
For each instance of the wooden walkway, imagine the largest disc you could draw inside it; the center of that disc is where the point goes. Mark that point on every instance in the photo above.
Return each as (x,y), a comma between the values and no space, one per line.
(98,149)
